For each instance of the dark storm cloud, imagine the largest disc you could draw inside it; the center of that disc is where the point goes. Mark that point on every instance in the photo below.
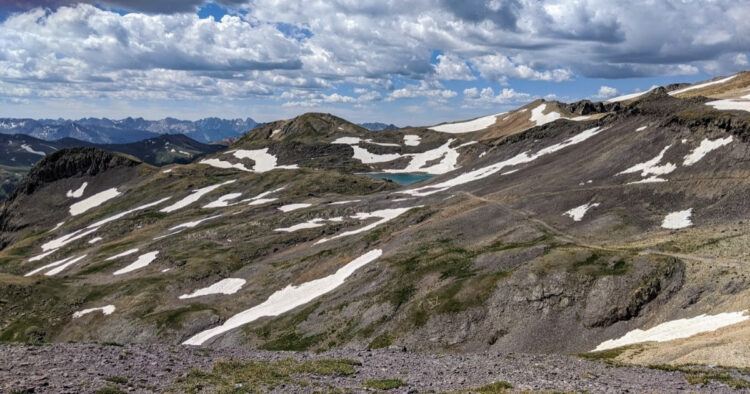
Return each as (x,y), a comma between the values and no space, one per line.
(504,13)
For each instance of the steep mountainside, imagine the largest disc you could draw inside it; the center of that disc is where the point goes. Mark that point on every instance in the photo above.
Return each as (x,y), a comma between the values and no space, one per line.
(128,130)
(555,228)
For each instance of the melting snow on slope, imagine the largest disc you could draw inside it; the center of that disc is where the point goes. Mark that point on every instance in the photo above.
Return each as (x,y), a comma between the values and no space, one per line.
(287,299)
(312,223)
(676,329)
(344,202)
(293,207)
(578,212)
(540,118)
(95,240)
(224,286)
(78,193)
(731,104)
(142,261)
(468,126)
(448,160)
(447,155)
(224,164)
(262,197)
(78,234)
(651,167)
(264,161)
(193,223)
(57,226)
(364,155)
(651,179)
(30,150)
(106,310)
(195,196)
(385,215)
(94,201)
(412,140)
(704,148)
(223,201)
(56,267)
(679,219)
(490,170)
(701,86)
(629,96)
(123,254)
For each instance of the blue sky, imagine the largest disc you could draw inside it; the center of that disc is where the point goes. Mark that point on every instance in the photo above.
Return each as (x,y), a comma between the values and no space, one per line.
(409,63)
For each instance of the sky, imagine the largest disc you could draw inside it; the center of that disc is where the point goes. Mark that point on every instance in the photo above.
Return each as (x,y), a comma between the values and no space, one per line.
(416,62)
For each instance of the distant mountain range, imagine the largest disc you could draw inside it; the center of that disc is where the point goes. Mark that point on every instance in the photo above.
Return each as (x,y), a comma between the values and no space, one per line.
(108,131)
(19,152)
(377,126)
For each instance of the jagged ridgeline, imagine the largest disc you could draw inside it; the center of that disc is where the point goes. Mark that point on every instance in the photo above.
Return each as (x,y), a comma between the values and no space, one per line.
(19,153)
(550,228)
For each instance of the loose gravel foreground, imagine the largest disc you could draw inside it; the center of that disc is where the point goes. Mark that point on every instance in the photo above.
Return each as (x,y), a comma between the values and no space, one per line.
(76,368)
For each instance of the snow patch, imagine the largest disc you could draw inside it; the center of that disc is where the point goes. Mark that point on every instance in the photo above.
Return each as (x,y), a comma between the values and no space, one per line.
(142,261)
(468,126)
(704,148)
(293,207)
(651,167)
(679,219)
(385,215)
(95,240)
(193,223)
(224,286)
(223,201)
(78,193)
(492,169)
(94,201)
(287,299)
(676,329)
(412,140)
(701,86)
(629,96)
(106,310)
(58,243)
(264,161)
(540,118)
(123,254)
(729,104)
(56,267)
(344,202)
(224,164)
(312,223)
(30,150)
(195,196)
(641,128)
(651,179)
(364,155)
(261,198)
(448,160)
(578,212)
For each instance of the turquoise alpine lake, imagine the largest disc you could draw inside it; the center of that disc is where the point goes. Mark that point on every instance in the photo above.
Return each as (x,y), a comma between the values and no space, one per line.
(406,178)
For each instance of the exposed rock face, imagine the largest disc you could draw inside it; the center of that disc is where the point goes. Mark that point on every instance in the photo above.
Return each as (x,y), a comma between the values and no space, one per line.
(66,165)
(76,162)
(586,107)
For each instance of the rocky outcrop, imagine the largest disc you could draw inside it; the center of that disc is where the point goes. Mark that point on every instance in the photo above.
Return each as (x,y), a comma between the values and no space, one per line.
(67,163)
